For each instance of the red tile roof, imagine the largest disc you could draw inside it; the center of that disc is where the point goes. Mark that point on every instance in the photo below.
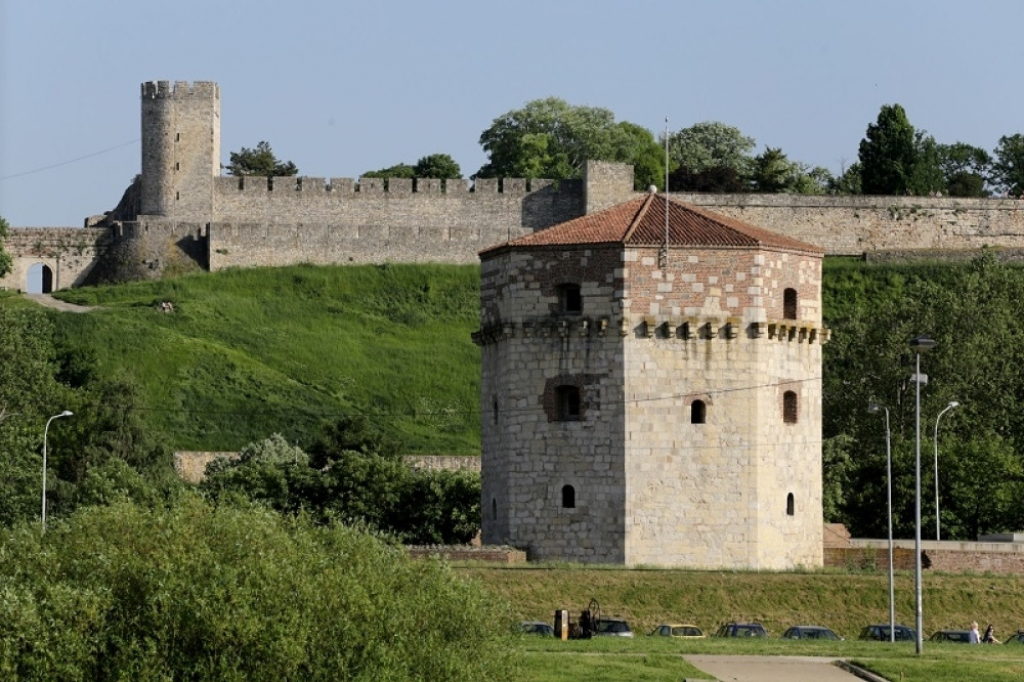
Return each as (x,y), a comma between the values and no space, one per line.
(641,222)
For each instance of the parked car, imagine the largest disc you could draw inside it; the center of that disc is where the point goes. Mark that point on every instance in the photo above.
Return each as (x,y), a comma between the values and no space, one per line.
(537,628)
(880,633)
(677,630)
(741,630)
(1017,638)
(960,636)
(612,627)
(809,632)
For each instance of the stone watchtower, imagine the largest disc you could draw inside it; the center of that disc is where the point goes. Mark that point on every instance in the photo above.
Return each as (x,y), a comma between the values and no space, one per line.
(180,149)
(653,405)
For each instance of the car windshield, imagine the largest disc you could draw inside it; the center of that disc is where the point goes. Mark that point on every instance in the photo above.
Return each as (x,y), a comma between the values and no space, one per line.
(819,633)
(612,626)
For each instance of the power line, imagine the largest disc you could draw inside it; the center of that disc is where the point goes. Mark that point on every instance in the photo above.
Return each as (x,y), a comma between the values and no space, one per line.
(70,161)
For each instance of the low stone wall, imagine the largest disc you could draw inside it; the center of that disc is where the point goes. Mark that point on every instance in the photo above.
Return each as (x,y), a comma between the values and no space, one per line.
(191,466)
(446,462)
(1004,558)
(490,553)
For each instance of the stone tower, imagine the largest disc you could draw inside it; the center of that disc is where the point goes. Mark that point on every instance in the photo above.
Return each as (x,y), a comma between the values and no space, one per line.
(180,149)
(644,405)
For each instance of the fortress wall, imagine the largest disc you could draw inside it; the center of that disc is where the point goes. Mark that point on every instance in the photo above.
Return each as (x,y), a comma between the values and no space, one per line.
(861,224)
(311,221)
(71,254)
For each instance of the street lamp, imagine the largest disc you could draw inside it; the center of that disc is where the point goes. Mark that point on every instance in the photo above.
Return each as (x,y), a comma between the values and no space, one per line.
(949,407)
(875,408)
(919,344)
(65,413)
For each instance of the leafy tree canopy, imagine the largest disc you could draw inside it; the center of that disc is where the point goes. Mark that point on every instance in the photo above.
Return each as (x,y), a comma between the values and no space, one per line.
(711,144)
(965,169)
(888,153)
(772,172)
(550,138)
(355,474)
(5,258)
(437,166)
(260,162)
(1008,169)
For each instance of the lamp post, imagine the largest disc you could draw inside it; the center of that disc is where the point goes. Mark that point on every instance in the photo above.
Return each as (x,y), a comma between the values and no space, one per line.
(65,413)
(919,344)
(949,407)
(875,408)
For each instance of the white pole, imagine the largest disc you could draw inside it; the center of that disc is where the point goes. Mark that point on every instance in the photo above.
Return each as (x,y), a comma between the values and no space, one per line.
(65,413)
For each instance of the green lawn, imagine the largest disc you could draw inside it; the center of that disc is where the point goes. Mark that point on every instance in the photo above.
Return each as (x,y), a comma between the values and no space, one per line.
(248,353)
(648,658)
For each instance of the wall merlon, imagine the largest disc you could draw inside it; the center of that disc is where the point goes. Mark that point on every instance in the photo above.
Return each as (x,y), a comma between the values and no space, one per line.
(180,89)
(400,186)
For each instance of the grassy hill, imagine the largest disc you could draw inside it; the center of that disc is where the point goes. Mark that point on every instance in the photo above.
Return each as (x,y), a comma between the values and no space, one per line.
(247,353)
(841,600)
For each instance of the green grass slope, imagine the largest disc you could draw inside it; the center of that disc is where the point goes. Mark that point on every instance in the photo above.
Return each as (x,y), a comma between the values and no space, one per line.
(247,353)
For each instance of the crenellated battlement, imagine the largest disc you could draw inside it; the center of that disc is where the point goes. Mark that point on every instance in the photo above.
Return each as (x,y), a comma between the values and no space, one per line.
(180,90)
(518,187)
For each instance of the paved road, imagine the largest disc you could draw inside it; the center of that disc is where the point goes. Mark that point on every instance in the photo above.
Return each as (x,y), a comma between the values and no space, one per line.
(771,668)
(51,302)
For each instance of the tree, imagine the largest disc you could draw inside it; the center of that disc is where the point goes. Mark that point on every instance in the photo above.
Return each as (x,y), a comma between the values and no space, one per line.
(965,169)
(772,172)
(1008,169)
(259,161)
(400,170)
(847,182)
(437,166)
(709,145)
(5,258)
(550,138)
(888,153)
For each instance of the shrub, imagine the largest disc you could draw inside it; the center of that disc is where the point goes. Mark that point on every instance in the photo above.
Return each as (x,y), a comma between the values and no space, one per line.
(222,593)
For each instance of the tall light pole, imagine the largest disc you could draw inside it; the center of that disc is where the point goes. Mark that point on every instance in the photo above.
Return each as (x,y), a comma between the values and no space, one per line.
(65,413)
(949,407)
(919,344)
(875,408)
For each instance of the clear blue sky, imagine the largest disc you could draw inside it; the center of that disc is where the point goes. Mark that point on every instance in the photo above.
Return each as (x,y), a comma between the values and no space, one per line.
(345,87)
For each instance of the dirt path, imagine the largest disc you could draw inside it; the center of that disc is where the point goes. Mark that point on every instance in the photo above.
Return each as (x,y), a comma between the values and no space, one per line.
(51,302)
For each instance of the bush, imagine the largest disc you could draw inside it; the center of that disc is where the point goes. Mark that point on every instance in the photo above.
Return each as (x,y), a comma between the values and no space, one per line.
(223,593)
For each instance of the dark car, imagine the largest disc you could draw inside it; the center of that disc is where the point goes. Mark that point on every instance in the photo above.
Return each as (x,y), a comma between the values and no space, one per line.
(612,627)
(959,636)
(741,630)
(537,628)
(880,633)
(1017,638)
(809,632)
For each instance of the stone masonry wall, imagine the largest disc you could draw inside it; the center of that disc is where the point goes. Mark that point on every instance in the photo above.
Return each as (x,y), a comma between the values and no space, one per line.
(860,224)
(70,253)
(714,494)
(529,454)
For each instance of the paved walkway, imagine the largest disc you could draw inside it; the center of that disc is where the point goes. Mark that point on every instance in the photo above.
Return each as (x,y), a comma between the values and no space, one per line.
(51,302)
(771,668)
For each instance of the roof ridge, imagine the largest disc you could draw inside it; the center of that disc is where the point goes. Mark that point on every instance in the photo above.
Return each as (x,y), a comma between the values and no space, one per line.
(638,217)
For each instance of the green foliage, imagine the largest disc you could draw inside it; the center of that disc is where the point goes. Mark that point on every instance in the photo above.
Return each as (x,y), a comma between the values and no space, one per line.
(848,182)
(971,311)
(772,172)
(1008,169)
(209,383)
(550,138)
(6,263)
(353,473)
(200,593)
(437,166)
(888,153)
(709,145)
(259,161)
(965,169)
(401,170)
